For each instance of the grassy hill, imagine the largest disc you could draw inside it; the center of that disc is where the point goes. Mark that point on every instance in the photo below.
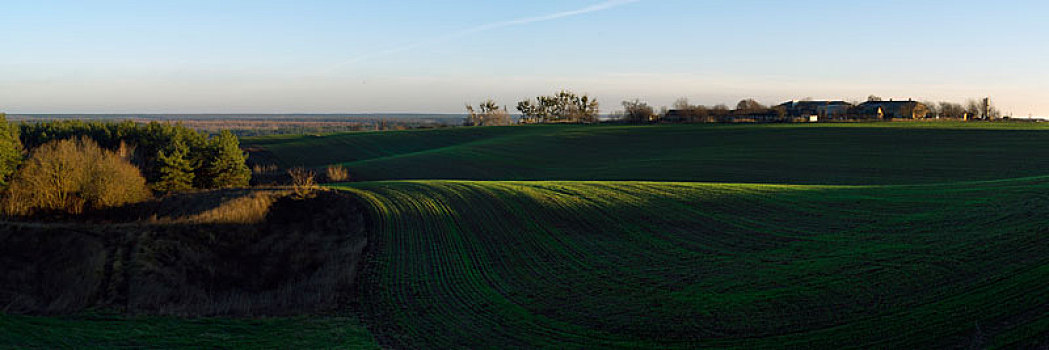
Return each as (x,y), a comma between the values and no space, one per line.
(100,331)
(684,265)
(888,235)
(873,153)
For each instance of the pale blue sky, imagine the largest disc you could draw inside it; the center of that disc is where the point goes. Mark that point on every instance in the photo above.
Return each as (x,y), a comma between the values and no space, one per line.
(433,56)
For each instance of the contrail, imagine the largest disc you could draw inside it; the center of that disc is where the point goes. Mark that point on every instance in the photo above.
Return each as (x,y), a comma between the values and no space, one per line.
(486,27)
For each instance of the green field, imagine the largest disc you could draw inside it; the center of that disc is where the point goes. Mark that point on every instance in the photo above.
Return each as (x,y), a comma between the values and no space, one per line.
(859,154)
(94,331)
(831,236)
(684,265)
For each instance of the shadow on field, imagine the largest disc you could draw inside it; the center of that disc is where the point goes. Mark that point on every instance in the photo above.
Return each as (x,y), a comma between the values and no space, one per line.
(232,253)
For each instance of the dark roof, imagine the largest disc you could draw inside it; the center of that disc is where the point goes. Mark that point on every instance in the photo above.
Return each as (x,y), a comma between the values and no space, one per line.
(887,103)
(886,106)
(812,104)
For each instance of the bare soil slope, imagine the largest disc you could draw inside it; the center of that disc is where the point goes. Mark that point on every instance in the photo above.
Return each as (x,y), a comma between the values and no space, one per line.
(230,253)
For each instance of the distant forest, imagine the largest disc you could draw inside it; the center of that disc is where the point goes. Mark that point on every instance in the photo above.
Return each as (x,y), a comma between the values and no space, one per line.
(268,124)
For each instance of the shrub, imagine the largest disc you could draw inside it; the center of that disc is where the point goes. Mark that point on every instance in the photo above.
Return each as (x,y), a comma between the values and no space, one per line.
(489,115)
(70,176)
(337,173)
(302,182)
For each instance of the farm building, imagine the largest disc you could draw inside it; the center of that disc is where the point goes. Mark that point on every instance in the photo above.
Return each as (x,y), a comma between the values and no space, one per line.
(676,116)
(821,109)
(806,111)
(890,110)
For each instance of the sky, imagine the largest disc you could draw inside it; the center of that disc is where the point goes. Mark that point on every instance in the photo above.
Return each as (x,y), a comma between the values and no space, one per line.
(435,56)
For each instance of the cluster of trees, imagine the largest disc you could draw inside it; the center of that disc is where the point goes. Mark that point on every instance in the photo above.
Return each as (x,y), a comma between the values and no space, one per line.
(973,109)
(73,165)
(750,106)
(699,113)
(71,175)
(171,156)
(638,111)
(562,107)
(487,114)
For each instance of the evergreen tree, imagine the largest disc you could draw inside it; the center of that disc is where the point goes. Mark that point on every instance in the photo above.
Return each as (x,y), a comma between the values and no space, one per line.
(175,168)
(226,165)
(211,162)
(10,150)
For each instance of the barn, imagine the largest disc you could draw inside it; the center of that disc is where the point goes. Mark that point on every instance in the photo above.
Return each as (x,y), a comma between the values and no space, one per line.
(822,109)
(890,110)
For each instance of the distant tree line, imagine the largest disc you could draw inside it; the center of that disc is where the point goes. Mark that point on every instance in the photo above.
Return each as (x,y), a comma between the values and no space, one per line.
(568,107)
(979,109)
(172,157)
(561,107)
(637,111)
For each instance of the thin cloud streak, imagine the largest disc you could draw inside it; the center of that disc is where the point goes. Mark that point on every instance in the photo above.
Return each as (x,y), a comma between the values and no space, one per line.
(490,26)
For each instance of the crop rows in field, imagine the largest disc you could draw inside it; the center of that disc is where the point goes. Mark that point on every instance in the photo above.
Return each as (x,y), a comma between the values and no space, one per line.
(860,154)
(677,265)
(101,331)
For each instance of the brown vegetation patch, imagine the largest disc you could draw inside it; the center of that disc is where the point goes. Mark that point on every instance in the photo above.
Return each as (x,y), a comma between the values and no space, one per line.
(70,176)
(233,206)
(337,173)
(239,253)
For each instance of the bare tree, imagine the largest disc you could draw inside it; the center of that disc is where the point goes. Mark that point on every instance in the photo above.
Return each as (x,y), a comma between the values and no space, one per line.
(951,110)
(750,106)
(682,104)
(489,114)
(934,109)
(874,98)
(638,112)
(974,109)
(683,111)
(303,182)
(691,113)
(585,109)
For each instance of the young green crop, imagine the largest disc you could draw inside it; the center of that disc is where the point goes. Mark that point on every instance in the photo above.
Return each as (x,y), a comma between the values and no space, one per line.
(856,154)
(886,235)
(99,331)
(684,265)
